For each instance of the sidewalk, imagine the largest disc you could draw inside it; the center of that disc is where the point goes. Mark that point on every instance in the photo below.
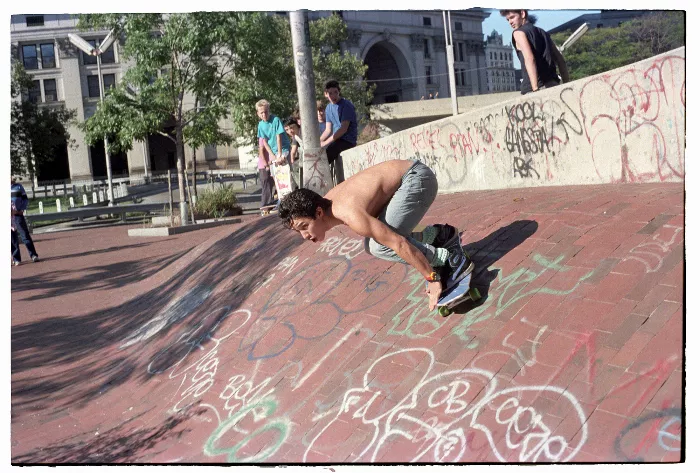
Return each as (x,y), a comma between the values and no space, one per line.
(246,344)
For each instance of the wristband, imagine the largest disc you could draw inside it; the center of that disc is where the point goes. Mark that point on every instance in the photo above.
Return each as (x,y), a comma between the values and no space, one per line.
(433,277)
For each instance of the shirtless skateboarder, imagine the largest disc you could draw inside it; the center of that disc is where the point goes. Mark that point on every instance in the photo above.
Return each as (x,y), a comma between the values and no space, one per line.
(384,203)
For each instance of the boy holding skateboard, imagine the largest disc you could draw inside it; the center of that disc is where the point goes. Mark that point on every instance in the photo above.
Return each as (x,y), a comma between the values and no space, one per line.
(384,203)
(274,139)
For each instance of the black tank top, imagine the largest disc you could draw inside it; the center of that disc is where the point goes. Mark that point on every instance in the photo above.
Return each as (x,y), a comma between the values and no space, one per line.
(541,45)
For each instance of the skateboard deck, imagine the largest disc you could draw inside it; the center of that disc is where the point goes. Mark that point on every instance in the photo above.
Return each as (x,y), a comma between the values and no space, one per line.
(268,209)
(458,294)
(282,174)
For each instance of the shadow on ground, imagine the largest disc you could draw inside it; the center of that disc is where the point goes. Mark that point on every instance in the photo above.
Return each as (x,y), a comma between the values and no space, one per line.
(121,444)
(90,354)
(488,251)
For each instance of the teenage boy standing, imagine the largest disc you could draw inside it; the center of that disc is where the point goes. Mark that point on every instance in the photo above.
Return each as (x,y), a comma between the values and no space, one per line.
(341,128)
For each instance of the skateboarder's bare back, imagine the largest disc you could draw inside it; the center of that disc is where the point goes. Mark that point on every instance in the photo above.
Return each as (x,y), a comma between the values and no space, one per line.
(384,203)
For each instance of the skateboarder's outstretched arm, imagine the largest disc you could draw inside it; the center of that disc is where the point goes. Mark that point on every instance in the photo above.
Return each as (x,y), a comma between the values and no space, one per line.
(367,226)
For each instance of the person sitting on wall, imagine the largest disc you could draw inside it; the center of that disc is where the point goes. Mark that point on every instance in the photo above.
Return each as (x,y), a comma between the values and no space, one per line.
(536,51)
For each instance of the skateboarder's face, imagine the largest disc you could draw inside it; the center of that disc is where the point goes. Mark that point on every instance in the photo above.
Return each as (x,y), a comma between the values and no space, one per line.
(310,229)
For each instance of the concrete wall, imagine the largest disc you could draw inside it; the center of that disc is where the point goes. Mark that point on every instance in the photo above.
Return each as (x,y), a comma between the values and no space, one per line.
(402,115)
(626,125)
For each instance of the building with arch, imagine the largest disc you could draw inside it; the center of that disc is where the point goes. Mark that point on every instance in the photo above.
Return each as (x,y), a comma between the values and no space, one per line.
(405,51)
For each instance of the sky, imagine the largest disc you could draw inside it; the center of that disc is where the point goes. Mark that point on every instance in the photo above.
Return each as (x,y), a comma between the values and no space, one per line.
(546,19)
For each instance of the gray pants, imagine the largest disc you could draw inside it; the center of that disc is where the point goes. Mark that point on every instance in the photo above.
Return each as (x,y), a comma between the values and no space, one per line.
(405,210)
(267,187)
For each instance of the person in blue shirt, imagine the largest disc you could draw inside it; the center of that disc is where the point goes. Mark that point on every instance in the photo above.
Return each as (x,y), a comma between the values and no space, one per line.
(274,140)
(321,113)
(341,128)
(18,204)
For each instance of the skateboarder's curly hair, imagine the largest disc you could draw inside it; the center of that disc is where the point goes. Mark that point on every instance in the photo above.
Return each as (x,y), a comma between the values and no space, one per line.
(301,203)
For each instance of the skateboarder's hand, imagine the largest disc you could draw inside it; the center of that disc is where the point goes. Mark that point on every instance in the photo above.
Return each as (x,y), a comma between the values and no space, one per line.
(434,289)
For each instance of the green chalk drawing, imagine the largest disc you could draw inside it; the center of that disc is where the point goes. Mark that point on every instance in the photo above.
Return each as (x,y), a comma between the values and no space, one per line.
(414,321)
(260,410)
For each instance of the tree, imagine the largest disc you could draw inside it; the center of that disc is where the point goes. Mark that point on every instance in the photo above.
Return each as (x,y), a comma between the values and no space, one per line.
(177,59)
(35,131)
(603,49)
(266,69)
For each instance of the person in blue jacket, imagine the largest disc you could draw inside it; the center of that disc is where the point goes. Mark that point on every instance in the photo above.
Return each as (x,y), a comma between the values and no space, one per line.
(19,202)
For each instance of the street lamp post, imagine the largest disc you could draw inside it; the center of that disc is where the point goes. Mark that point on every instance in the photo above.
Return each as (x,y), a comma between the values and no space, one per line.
(447,23)
(87,48)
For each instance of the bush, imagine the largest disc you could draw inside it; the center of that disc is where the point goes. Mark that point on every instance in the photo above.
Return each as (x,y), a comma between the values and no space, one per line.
(217,203)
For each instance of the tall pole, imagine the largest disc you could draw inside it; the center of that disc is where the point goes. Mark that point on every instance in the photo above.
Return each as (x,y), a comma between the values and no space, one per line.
(110,191)
(447,23)
(317,173)
(146,158)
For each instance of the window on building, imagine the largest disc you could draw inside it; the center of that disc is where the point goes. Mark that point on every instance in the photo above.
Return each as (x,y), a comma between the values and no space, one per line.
(94,84)
(458,26)
(50,94)
(426,48)
(106,57)
(427,21)
(463,73)
(48,56)
(109,81)
(35,92)
(600,25)
(35,20)
(501,56)
(428,75)
(461,51)
(29,58)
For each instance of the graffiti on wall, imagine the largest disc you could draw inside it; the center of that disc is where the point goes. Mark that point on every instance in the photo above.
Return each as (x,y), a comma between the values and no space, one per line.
(635,134)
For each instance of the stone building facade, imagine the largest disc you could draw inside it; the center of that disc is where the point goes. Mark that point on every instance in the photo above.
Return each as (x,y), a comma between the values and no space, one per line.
(500,72)
(404,51)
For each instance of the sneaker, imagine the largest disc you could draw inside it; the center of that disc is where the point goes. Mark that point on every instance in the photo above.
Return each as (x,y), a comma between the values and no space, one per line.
(35,259)
(447,236)
(457,267)
(16,263)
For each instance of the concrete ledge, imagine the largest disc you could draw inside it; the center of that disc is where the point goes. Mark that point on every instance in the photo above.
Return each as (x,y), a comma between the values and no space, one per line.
(166,231)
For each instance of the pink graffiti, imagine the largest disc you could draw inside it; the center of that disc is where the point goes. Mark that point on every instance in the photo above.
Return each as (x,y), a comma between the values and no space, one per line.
(427,138)
(640,113)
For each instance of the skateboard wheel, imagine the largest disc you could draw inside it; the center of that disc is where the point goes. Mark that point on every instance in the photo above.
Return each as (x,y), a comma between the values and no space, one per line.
(444,311)
(474,294)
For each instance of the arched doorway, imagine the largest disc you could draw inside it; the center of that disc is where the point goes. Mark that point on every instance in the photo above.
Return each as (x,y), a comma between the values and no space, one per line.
(389,70)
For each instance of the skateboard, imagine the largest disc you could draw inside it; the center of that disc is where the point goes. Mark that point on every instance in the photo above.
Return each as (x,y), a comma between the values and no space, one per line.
(268,209)
(458,294)
(281,174)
